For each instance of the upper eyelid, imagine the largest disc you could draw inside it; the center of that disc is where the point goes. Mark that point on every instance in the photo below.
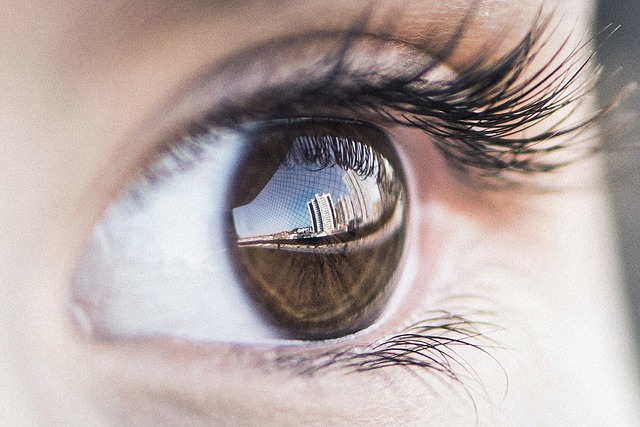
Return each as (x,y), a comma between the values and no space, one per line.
(307,90)
(196,105)
(316,67)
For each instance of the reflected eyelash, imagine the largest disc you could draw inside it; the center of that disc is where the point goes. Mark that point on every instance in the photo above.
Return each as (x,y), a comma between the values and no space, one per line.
(475,119)
(327,151)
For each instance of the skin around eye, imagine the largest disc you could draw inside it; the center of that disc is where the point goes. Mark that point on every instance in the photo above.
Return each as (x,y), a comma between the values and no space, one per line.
(519,318)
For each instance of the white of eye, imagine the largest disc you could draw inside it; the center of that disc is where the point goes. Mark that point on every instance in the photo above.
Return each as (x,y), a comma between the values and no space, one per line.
(157,262)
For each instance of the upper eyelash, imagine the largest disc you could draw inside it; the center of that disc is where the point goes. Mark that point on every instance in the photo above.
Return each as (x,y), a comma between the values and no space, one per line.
(474,119)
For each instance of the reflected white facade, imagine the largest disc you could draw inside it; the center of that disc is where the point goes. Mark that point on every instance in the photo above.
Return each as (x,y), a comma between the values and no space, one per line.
(322,213)
(365,206)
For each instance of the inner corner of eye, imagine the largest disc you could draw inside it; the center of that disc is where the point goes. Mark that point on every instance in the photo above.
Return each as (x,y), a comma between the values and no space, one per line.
(318,210)
(293,230)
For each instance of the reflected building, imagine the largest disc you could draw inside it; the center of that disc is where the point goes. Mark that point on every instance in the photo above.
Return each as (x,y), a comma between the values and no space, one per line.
(322,213)
(346,201)
(345,215)
(362,205)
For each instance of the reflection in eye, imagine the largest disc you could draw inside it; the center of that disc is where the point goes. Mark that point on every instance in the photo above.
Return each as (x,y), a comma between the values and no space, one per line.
(319,216)
(283,229)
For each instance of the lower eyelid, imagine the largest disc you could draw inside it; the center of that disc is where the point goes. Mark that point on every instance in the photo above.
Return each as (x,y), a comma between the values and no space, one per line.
(431,344)
(233,382)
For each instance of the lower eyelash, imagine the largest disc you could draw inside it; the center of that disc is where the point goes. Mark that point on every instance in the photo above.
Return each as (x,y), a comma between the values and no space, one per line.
(428,345)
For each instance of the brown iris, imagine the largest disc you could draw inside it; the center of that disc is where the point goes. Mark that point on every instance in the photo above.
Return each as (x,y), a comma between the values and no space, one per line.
(317,219)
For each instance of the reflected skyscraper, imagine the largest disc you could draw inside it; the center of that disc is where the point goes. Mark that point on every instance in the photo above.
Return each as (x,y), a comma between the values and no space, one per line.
(322,213)
(365,202)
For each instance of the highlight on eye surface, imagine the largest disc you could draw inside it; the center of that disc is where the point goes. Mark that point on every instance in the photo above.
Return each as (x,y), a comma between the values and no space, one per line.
(323,202)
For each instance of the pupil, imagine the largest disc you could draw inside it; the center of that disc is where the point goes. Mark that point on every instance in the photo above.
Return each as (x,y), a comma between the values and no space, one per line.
(318,224)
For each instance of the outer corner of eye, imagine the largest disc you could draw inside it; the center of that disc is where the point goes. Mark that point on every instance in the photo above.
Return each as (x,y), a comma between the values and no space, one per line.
(285,230)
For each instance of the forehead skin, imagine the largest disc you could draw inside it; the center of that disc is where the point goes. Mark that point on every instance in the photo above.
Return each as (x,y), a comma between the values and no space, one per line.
(80,77)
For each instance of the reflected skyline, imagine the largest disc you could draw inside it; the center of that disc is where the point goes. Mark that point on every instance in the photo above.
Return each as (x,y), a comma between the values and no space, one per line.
(304,201)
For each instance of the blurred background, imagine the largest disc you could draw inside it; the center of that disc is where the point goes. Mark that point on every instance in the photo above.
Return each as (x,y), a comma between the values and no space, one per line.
(620,53)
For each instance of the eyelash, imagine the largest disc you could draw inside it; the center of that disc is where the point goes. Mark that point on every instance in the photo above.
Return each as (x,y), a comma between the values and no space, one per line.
(427,344)
(473,119)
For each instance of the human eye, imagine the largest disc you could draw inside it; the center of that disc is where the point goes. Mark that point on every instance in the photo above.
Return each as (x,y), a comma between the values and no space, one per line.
(285,217)
(201,230)
(283,214)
